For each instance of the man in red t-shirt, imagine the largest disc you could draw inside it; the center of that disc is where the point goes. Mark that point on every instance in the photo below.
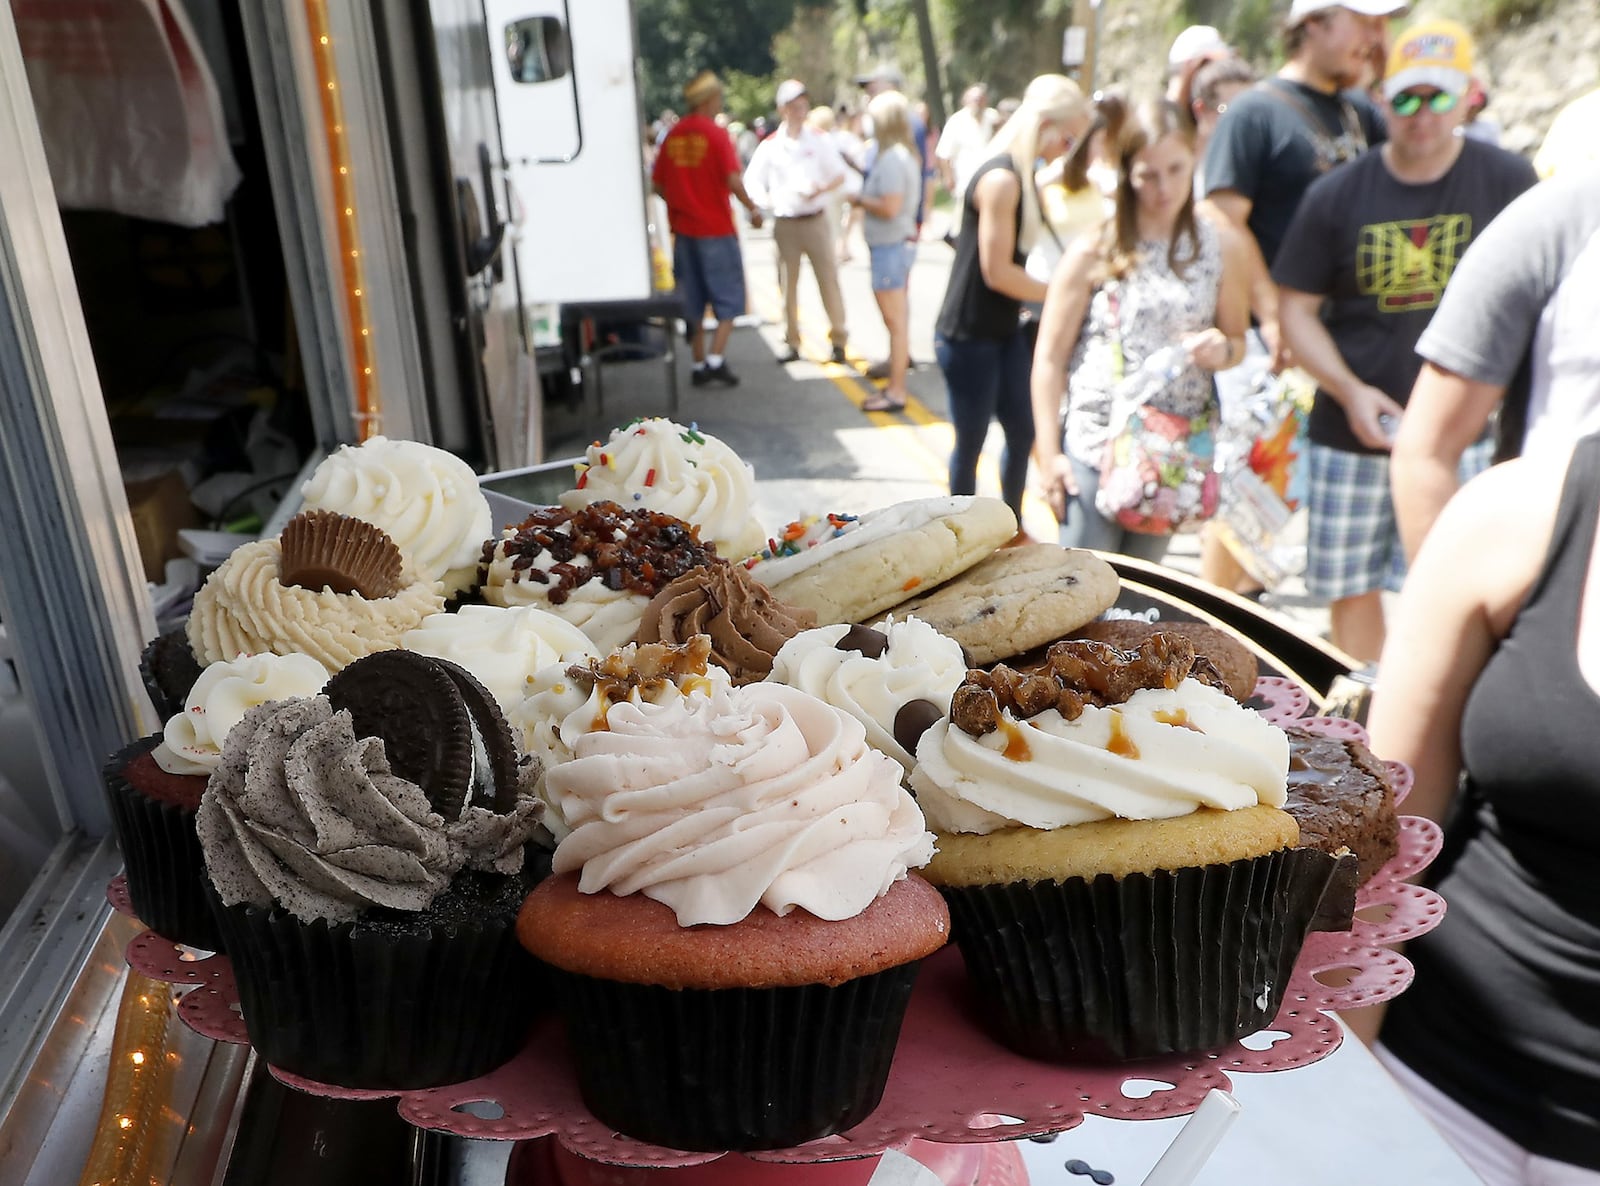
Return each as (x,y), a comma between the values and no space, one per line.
(695,171)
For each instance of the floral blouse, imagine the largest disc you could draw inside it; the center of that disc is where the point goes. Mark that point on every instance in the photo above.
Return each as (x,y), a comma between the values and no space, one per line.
(1155,308)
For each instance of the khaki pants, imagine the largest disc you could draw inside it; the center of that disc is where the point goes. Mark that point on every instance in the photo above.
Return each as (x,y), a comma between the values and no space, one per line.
(811,237)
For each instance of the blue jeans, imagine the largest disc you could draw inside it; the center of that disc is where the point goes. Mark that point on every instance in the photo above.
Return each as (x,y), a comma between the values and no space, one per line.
(1086,527)
(987,379)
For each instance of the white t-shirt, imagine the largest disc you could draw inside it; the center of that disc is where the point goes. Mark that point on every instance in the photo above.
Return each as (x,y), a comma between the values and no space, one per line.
(786,171)
(962,143)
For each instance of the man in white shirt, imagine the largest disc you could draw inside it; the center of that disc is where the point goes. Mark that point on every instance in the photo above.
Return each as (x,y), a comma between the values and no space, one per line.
(790,176)
(966,133)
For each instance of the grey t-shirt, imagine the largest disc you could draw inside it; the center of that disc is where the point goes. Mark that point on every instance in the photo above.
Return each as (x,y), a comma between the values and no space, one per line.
(1522,311)
(895,171)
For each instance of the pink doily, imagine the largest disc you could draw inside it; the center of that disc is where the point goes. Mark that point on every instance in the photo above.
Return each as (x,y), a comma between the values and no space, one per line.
(950,1082)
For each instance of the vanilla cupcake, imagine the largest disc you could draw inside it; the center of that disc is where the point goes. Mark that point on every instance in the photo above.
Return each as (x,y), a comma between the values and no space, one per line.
(504,647)
(658,465)
(897,681)
(1123,880)
(597,566)
(427,500)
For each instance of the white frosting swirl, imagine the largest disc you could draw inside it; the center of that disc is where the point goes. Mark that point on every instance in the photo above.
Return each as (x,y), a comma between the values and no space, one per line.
(427,500)
(760,795)
(919,663)
(1164,753)
(609,617)
(662,466)
(244,609)
(557,711)
(225,691)
(502,646)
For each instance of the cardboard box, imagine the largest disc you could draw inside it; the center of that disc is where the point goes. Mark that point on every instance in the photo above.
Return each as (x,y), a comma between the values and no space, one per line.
(160,506)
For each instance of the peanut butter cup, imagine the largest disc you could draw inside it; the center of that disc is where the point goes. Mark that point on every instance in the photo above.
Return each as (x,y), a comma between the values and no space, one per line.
(325,550)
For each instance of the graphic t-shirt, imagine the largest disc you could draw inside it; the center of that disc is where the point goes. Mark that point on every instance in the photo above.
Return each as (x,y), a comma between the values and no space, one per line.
(692,168)
(1264,148)
(1382,251)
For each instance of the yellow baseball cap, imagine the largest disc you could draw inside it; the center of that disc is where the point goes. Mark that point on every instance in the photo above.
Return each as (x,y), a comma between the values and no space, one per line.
(1435,53)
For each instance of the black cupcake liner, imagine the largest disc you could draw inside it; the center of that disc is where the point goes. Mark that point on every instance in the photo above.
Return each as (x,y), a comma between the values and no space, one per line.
(368,1005)
(733,1068)
(169,669)
(162,856)
(1113,969)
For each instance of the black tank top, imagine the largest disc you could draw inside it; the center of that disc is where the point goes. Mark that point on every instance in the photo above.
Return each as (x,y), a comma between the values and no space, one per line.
(1504,1016)
(971,308)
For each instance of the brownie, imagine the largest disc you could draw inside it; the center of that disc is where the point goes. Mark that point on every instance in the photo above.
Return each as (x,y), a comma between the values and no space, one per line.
(1340,796)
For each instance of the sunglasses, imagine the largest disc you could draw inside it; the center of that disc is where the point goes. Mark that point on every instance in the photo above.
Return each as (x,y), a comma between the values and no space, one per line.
(1409,102)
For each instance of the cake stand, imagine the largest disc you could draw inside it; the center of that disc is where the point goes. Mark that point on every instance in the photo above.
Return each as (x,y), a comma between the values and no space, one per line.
(953,1094)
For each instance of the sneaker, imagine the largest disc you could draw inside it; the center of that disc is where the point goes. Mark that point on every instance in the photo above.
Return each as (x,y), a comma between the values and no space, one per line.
(790,354)
(699,376)
(838,356)
(721,375)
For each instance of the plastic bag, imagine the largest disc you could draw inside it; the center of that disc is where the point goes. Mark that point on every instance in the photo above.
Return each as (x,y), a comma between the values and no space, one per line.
(1260,447)
(1158,474)
(128,110)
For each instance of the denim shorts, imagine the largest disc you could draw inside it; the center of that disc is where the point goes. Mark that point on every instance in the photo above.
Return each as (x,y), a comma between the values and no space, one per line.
(891,265)
(708,272)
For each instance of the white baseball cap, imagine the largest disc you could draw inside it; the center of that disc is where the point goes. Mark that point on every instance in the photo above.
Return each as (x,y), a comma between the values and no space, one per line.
(1300,9)
(789,90)
(1193,42)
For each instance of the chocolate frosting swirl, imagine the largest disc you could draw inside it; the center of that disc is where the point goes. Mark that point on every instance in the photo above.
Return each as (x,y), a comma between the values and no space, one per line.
(747,625)
(304,815)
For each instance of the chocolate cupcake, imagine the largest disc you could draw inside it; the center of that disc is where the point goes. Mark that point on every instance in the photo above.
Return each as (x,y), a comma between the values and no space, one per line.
(1122,881)
(364,854)
(154,787)
(743,899)
(169,670)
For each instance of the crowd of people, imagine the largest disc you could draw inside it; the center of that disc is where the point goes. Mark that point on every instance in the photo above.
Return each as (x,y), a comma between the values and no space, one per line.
(1122,265)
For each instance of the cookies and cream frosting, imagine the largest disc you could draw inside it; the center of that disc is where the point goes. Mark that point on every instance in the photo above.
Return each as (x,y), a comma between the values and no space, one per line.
(303,814)
(1163,752)
(660,465)
(715,804)
(504,647)
(874,681)
(245,609)
(427,500)
(219,699)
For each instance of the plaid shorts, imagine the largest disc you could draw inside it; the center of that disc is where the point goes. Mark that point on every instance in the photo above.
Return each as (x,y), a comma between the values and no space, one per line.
(1354,544)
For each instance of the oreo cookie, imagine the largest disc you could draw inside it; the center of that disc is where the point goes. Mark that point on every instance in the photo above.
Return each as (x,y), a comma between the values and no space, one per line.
(169,669)
(441,728)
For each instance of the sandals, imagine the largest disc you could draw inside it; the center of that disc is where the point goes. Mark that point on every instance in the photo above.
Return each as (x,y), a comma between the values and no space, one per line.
(882,403)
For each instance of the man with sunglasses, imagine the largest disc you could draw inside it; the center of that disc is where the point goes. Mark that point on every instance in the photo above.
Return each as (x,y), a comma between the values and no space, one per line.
(1361,269)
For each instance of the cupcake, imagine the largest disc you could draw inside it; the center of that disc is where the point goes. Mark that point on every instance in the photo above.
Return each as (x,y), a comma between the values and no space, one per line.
(426,500)
(364,857)
(746,624)
(597,566)
(331,587)
(1122,879)
(503,647)
(658,465)
(897,681)
(734,891)
(154,788)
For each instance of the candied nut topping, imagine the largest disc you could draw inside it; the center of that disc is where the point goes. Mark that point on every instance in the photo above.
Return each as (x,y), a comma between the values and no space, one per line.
(647,666)
(638,550)
(1076,673)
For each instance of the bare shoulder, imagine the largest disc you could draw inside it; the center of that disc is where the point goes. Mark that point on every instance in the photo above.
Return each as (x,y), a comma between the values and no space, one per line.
(1507,512)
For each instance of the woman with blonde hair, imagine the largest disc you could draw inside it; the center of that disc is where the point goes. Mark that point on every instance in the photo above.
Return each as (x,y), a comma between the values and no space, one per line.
(1155,278)
(888,198)
(978,338)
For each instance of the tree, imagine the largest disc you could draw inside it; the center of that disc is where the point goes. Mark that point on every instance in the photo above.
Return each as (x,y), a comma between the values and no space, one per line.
(680,38)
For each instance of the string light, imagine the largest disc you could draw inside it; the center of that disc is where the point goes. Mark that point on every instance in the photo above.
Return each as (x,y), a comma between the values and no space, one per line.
(367,400)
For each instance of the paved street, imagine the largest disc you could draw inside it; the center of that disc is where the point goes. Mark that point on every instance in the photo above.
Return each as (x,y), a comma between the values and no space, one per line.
(801,426)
